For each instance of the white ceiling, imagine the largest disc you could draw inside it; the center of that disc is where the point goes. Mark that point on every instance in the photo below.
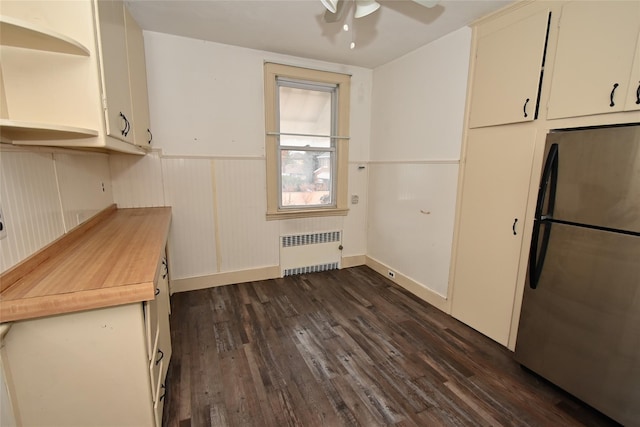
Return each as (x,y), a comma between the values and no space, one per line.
(298,27)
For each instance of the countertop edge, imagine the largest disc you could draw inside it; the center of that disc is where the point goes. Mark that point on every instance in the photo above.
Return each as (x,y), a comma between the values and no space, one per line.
(62,302)
(51,305)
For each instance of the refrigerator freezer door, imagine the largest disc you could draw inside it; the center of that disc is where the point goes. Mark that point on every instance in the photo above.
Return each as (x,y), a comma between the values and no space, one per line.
(598,177)
(581,327)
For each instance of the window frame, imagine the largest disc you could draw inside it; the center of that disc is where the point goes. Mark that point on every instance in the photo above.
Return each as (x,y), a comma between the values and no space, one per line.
(272,72)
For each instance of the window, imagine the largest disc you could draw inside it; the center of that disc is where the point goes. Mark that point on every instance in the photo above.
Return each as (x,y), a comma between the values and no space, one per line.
(307,141)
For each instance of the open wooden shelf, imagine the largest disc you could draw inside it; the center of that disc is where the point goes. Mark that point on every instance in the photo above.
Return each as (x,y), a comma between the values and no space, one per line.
(18,33)
(13,130)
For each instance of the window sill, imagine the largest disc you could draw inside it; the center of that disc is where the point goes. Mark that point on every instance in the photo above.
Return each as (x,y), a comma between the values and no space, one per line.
(305,213)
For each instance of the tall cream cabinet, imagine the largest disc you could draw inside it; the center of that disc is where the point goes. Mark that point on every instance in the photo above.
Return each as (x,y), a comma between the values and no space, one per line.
(597,67)
(493,213)
(566,58)
(91,368)
(65,75)
(509,61)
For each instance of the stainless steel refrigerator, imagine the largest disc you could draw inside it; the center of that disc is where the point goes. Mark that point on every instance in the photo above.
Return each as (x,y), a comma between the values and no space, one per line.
(580,320)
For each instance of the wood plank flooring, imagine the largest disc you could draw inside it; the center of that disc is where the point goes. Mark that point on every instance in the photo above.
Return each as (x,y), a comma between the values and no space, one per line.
(345,348)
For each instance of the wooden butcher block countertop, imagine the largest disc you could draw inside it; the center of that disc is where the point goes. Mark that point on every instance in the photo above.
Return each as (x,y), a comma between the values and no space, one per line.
(110,260)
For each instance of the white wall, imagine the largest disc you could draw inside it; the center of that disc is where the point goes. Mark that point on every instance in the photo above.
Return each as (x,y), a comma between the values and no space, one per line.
(207,117)
(417,122)
(45,193)
(206,103)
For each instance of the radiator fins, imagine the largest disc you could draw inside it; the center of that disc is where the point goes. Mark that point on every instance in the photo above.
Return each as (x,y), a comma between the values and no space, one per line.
(311,269)
(310,239)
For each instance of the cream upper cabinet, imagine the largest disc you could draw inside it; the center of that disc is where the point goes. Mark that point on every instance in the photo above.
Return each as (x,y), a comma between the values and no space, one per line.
(595,71)
(497,171)
(633,94)
(137,81)
(507,72)
(63,63)
(116,95)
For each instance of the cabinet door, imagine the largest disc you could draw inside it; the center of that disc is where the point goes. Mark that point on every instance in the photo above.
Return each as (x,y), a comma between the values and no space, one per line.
(596,49)
(80,369)
(164,342)
(507,72)
(137,82)
(115,69)
(633,94)
(494,198)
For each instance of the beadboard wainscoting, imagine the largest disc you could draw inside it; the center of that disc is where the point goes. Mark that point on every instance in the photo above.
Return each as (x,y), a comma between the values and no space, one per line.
(219,232)
(45,193)
(416,134)
(411,218)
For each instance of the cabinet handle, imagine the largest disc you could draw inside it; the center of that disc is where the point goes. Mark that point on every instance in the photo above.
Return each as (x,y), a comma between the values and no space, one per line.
(127,126)
(524,108)
(166,268)
(150,136)
(161,356)
(638,94)
(513,227)
(615,86)
(157,291)
(164,391)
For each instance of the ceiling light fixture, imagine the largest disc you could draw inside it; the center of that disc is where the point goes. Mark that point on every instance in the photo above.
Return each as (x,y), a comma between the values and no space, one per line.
(365,7)
(336,8)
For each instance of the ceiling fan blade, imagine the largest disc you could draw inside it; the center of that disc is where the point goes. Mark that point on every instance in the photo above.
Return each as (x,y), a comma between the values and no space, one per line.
(427,3)
(330,5)
(339,13)
(365,8)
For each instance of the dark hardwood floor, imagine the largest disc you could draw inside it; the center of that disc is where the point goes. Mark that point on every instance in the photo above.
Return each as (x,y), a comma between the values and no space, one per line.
(345,348)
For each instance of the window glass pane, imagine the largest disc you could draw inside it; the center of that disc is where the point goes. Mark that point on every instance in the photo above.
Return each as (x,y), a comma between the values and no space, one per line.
(305,141)
(304,111)
(306,178)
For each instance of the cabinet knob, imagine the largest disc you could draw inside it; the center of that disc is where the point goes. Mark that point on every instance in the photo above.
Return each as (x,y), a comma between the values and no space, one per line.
(615,86)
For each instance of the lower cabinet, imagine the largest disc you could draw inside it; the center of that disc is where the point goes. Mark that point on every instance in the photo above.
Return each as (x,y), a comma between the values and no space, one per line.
(497,173)
(97,367)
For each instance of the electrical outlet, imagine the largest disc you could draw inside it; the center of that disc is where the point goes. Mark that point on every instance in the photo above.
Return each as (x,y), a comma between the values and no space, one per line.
(354,199)
(392,274)
(3,226)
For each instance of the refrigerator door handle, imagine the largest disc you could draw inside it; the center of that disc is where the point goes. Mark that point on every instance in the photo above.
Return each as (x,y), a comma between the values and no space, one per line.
(549,183)
(536,261)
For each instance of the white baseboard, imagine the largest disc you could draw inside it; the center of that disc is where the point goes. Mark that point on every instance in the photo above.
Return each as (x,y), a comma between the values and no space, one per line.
(222,279)
(353,261)
(411,285)
(242,276)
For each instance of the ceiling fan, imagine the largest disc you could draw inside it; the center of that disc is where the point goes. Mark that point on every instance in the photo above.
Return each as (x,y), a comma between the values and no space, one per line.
(335,8)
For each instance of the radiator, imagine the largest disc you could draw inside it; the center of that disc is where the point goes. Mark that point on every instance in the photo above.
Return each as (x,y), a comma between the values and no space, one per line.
(310,253)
